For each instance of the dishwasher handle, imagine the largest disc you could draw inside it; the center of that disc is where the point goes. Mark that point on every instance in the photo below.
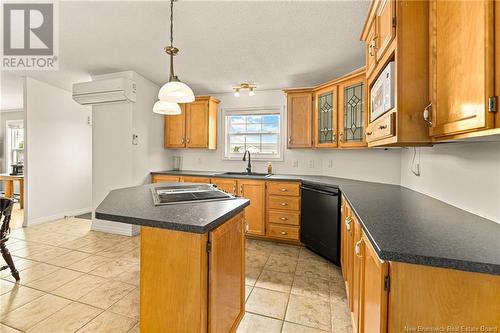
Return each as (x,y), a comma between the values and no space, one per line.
(312,189)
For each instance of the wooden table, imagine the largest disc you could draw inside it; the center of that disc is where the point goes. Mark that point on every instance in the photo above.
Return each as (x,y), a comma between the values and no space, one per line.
(9,186)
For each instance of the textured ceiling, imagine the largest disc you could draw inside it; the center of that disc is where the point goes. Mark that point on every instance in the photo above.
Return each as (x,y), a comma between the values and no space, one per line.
(275,44)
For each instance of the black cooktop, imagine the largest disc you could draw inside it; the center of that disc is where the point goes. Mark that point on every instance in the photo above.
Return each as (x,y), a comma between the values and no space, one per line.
(170,194)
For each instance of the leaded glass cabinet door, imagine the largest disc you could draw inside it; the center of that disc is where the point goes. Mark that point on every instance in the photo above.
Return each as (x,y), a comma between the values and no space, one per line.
(325,120)
(352,114)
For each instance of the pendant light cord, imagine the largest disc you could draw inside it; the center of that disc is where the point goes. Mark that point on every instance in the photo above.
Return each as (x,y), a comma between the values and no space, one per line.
(171,22)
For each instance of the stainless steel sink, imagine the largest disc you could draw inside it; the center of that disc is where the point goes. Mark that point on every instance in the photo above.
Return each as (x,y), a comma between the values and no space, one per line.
(246,174)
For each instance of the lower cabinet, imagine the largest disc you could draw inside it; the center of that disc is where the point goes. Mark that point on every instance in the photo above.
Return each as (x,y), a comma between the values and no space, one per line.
(164,179)
(395,297)
(255,191)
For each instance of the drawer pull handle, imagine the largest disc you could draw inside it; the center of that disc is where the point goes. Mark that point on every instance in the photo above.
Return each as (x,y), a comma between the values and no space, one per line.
(283,219)
(382,127)
(284,204)
(369,133)
(357,249)
(348,223)
(284,233)
(284,190)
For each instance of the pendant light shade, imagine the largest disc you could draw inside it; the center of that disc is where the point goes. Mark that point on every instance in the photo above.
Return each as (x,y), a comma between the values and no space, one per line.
(176,92)
(167,108)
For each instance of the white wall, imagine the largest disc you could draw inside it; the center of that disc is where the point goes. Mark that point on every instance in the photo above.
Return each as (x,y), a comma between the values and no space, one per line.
(466,175)
(371,165)
(58,173)
(117,162)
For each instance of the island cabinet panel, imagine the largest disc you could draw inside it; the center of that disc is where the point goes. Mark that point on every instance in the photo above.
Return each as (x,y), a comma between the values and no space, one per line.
(227,276)
(193,282)
(164,179)
(424,296)
(255,191)
(466,61)
(299,118)
(227,185)
(174,281)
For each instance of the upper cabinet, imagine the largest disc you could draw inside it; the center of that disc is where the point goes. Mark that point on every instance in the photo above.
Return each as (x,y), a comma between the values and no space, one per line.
(299,115)
(325,117)
(462,73)
(196,127)
(395,34)
(353,117)
(332,115)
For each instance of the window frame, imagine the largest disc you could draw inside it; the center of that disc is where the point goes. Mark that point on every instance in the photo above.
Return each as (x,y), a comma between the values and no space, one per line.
(271,110)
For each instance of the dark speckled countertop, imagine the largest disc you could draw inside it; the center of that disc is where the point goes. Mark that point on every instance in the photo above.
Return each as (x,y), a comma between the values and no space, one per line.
(406,226)
(134,205)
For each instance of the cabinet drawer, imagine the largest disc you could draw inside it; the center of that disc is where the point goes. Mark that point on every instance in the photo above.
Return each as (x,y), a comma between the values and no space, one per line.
(291,189)
(283,231)
(291,218)
(383,127)
(285,203)
(164,179)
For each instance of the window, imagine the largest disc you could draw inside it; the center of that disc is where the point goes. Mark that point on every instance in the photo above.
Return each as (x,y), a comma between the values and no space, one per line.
(255,130)
(15,142)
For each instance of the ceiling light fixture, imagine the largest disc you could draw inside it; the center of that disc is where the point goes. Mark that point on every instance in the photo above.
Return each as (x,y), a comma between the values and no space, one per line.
(166,108)
(174,91)
(245,86)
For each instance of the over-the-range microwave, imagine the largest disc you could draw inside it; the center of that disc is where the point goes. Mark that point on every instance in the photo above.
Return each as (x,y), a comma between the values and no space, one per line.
(382,93)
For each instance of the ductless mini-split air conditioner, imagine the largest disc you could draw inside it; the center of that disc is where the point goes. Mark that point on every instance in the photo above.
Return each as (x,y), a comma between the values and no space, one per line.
(117,90)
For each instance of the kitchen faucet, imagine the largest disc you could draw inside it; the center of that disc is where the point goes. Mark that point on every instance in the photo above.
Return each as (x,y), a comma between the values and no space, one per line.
(249,166)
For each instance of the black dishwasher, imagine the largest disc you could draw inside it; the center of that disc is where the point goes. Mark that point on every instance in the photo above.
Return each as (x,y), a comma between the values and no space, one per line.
(319,220)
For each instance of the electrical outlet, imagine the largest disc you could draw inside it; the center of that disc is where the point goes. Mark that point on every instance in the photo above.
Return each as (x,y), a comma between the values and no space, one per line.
(330,164)
(135,139)
(89,121)
(311,164)
(295,163)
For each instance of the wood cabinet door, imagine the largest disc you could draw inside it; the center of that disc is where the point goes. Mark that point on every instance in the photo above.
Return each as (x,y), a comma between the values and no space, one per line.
(462,69)
(226,297)
(325,117)
(353,115)
(226,185)
(356,275)
(255,191)
(164,179)
(175,129)
(189,179)
(374,297)
(370,49)
(299,118)
(349,253)
(197,125)
(343,238)
(385,29)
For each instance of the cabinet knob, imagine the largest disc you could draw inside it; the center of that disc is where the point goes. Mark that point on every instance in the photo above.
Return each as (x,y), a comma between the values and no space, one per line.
(234,188)
(241,189)
(182,140)
(188,140)
(348,223)
(284,204)
(357,249)
(369,133)
(284,233)
(284,190)
(283,219)
(290,139)
(382,127)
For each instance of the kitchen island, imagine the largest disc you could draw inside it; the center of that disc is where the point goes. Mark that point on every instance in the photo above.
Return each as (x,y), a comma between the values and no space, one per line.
(192,260)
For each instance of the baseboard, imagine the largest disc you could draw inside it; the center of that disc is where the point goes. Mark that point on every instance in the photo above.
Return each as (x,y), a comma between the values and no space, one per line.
(115,227)
(57,216)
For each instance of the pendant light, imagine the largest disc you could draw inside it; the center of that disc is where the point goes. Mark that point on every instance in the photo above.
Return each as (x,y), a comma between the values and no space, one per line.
(174,91)
(166,108)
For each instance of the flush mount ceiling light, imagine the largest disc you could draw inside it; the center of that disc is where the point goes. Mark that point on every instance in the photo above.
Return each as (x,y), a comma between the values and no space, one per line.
(245,86)
(174,91)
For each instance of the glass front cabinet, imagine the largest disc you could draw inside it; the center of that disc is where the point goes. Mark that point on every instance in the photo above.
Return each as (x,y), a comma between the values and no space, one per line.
(325,120)
(353,114)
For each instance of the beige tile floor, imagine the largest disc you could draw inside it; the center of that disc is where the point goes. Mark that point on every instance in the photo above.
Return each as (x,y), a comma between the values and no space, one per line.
(77,280)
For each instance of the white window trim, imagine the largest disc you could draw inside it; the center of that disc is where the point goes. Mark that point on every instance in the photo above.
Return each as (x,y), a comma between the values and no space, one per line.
(253,110)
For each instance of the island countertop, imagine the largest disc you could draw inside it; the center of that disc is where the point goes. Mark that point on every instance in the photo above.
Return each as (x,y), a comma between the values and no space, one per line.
(407,226)
(134,205)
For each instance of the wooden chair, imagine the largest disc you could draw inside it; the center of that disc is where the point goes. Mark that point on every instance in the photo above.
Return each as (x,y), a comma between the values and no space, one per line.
(6,211)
